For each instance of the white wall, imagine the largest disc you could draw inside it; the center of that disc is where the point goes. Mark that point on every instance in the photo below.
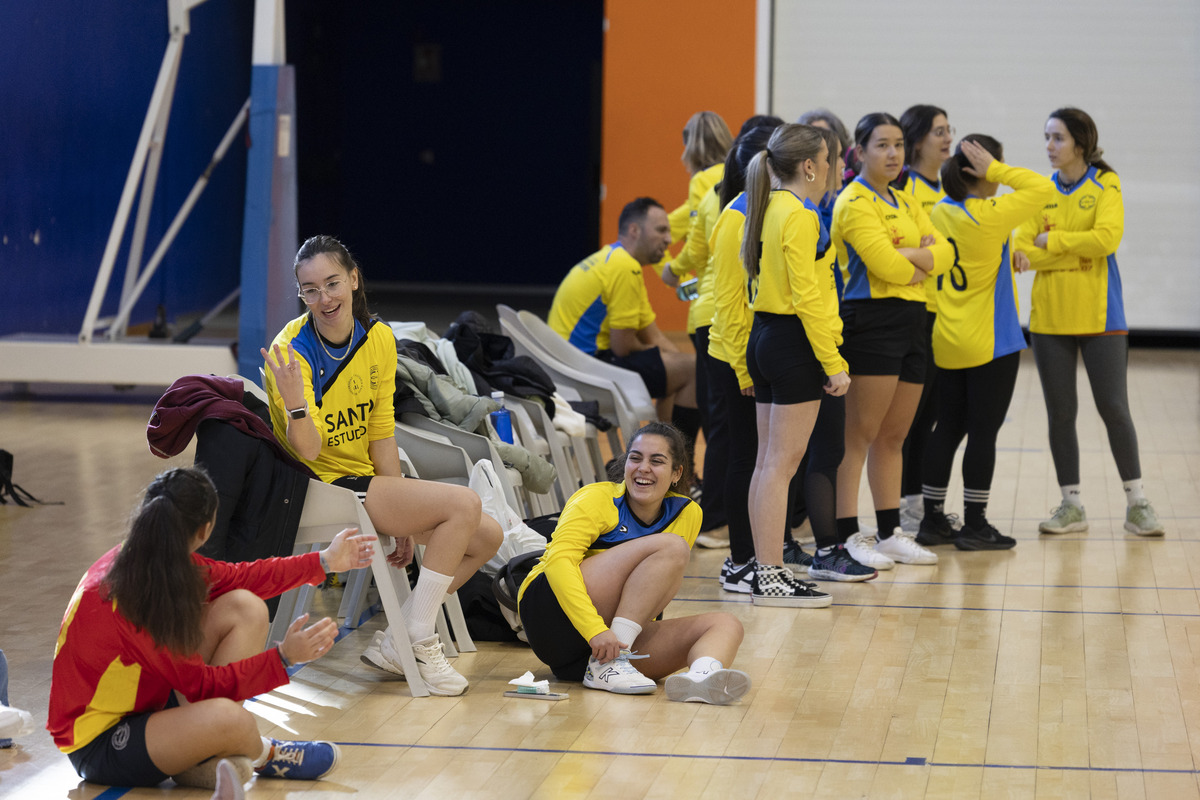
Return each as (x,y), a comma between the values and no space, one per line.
(999,68)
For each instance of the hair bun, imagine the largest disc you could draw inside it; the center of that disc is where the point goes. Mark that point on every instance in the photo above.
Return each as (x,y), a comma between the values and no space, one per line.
(1096,155)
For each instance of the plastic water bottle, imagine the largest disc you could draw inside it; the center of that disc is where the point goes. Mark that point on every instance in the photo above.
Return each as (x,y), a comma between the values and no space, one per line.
(502,420)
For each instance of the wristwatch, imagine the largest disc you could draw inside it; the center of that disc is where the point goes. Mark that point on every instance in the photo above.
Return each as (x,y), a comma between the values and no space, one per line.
(298,413)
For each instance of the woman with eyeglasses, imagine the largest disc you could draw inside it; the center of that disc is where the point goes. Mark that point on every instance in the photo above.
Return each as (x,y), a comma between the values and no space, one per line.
(330,379)
(1077,309)
(928,135)
(887,248)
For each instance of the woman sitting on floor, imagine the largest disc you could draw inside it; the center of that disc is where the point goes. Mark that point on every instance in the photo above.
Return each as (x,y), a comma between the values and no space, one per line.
(614,563)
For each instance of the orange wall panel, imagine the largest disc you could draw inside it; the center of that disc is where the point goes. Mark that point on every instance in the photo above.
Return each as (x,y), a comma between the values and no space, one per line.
(663,62)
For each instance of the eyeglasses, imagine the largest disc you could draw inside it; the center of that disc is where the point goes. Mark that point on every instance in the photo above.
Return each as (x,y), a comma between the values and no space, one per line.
(332,290)
(943,131)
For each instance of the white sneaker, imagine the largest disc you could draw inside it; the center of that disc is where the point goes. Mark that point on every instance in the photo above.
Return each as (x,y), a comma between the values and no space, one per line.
(903,548)
(15,723)
(374,656)
(719,687)
(862,549)
(440,677)
(617,676)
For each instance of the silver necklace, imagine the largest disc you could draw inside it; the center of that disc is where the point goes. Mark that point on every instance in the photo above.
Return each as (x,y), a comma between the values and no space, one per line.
(326,349)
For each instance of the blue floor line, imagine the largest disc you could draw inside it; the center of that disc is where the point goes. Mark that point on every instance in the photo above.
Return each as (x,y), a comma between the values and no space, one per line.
(748,601)
(1008,585)
(912,761)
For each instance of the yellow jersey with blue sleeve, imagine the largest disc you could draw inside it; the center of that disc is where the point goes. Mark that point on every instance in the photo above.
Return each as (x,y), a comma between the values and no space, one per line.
(788,281)
(928,193)
(602,292)
(867,230)
(977,303)
(1077,288)
(695,258)
(349,394)
(732,317)
(595,519)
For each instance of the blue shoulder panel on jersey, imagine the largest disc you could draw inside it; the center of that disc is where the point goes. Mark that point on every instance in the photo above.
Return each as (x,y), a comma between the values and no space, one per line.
(629,528)
(1090,175)
(858,287)
(890,199)
(587,329)
(823,236)
(1006,327)
(739,204)
(1114,317)
(961,205)
(615,246)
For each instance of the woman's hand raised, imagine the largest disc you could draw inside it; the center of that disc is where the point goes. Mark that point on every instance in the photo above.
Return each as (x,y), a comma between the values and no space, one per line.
(979,157)
(302,644)
(349,550)
(288,377)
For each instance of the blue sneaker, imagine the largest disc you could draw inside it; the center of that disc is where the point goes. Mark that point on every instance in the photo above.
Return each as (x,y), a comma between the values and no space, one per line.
(300,761)
(794,557)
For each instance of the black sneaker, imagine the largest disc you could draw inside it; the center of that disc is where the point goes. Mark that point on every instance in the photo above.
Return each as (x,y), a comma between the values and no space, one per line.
(839,565)
(985,538)
(737,577)
(938,529)
(775,586)
(794,557)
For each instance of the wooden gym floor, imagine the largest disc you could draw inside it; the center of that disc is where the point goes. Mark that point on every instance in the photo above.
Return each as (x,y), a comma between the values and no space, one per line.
(1069,666)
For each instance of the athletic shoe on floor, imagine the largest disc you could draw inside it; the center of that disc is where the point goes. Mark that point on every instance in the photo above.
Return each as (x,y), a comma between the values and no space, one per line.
(910,519)
(903,549)
(985,538)
(1066,518)
(776,586)
(716,539)
(737,577)
(861,548)
(794,557)
(937,529)
(839,566)
(374,656)
(1141,519)
(440,677)
(617,676)
(719,687)
(300,761)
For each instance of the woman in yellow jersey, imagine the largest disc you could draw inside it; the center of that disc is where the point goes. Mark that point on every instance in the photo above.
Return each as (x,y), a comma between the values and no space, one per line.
(330,379)
(1077,308)
(791,353)
(615,561)
(887,247)
(977,342)
(927,139)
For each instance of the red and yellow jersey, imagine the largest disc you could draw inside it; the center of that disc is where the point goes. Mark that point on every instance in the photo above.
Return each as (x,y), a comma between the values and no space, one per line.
(977,303)
(106,668)
(788,281)
(596,518)
(732,317)
(349,399)
(1077,288)
(867,230)
(928,194)
(602,292)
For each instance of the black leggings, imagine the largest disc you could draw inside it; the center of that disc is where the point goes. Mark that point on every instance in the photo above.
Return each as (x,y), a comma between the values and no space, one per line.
(922,424)
(713,420)
(972,403)
(1106,359)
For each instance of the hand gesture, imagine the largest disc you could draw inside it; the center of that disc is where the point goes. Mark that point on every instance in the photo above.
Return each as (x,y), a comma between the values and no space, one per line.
(288,377)
(837,385)
(1020,261)
(349,550)
(979,157)
(605,646)
(306,644)
(402,556)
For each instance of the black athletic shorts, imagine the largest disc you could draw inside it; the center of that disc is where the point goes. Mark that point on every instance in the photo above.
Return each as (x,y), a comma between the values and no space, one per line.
(781,361)
(118,757)
(551,635)
(356,483)
(885,337)
(648,363)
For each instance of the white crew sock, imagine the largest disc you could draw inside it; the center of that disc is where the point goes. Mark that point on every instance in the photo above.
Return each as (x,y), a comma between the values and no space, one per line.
(265,756)
(1072,496)
(626,631)
(704,665)
(1133,492)
(421,606)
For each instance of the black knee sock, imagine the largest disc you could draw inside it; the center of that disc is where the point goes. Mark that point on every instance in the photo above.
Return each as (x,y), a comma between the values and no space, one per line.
(846,527)
(975,507)
(888,520)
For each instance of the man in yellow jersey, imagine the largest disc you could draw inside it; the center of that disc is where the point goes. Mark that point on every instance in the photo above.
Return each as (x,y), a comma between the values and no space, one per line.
(602,308)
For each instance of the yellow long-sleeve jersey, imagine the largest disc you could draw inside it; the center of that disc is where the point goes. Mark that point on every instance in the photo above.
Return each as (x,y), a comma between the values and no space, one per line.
(732,316)
(695,258)
(928,194)
(788,281)
(1077,290)
(977,303)
(596,518)
(698,186)
(867,230)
